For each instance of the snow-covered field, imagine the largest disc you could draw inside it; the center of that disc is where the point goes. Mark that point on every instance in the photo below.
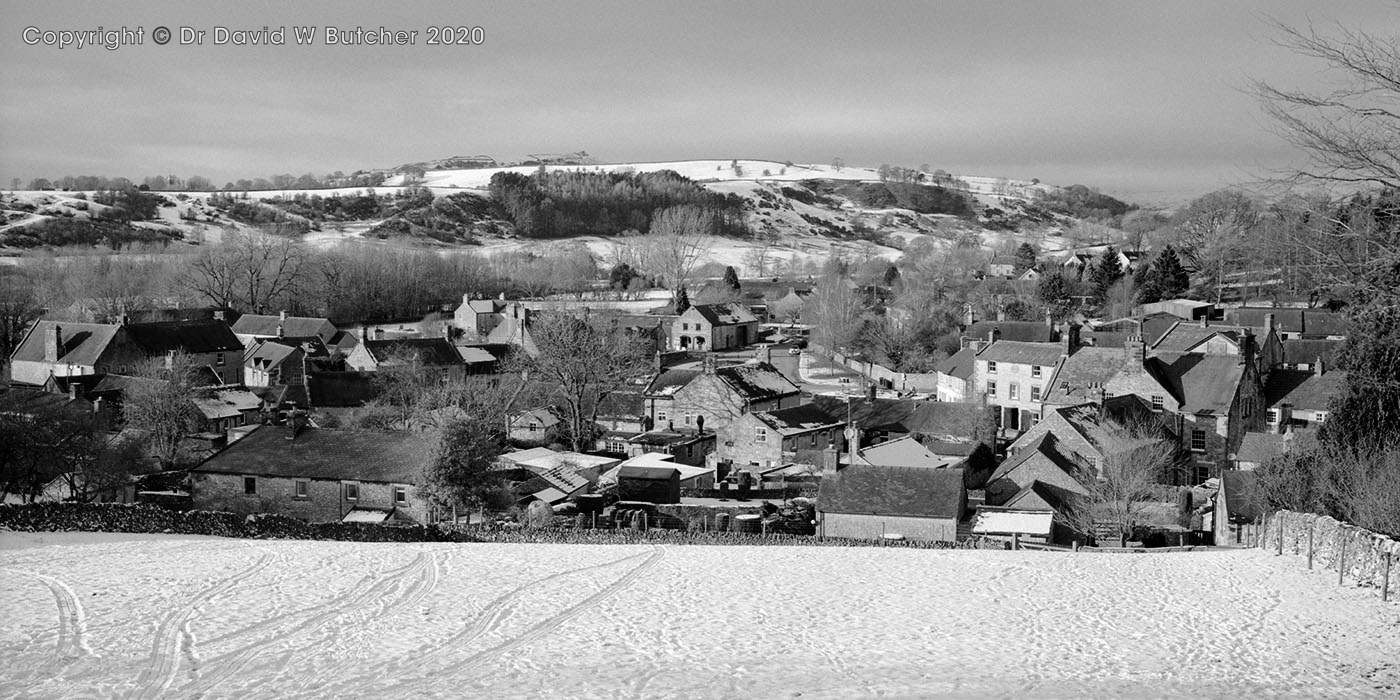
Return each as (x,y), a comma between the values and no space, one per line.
(208,618)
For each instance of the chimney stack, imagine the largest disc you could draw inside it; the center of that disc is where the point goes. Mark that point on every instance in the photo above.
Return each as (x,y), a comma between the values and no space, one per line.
(1049,320)
(1205,320)
(969,315)
(1069,338)
(1321,366)
(870,395)
(1285,416)
(282,316)
(280,332)
(1247,346)
(1001,312)
(993,335)
(53,343)
(1136,350)
(1268,324)
(830,460)
(296,422)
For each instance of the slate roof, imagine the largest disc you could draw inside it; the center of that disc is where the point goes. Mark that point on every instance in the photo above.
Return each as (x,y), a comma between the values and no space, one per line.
(1042,445)
(619,404)
(434,352)
(1018,352)
(1202,383)
(669,381)
(1297,351)
(1088,365)
(30,401)
(896,491)
(1307,322)
(82,343)
(798,419)
(1260,447)
(725,314)
(959,364)
(1306,390)
(187,336)
(1185,335)
(757,381)
(1056,498)
(227,403)
(326,454)
(648,473)
(901,452)
(899,415)
(1022,331)
(298,326)
(267,353)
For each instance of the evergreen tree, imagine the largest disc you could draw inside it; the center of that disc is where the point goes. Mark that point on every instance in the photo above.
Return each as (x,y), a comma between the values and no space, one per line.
(1055,292)
(731,278)
(892,276)
(1165,278)
(1108,271)
(682,300)
(462,472)
(1025,258)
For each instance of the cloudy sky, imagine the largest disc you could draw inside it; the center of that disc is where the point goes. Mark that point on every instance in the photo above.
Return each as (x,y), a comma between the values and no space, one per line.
(1144,99)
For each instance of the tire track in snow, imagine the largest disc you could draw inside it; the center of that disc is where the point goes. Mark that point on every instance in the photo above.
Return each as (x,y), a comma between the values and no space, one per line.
(172,635)
(422,574)
(71,623)
(488,620)
(544,627)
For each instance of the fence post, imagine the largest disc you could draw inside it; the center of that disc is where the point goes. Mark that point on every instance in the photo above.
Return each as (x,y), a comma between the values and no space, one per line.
(1342,560)
(1385,580)
(1311,528)
(1279,519)
(1015,541)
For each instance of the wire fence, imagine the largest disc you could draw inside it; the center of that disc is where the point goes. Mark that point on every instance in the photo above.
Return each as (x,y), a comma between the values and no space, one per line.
(1363,556)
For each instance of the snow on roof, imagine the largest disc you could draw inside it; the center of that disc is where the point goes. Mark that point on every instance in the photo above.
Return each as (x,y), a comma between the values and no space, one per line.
(540,459)
(725,314)
(80,343)
(902,452)
(992,522)
(797,419)
(1019,352)
(366,515)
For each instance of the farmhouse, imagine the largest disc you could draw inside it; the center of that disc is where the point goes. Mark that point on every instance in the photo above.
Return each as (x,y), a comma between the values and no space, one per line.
(251,327)
(716,396)
(714,327)
(317,475)
(772,438)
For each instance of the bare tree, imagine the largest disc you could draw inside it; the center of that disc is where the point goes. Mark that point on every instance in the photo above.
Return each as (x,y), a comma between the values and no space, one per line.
(1137,456)
(835,313)
(679,238)
(584,362)
(159,404)
(1351,134)
(249,272)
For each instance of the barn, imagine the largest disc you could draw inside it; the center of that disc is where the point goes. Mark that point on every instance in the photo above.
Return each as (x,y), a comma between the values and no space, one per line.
(650,484)
(864,501)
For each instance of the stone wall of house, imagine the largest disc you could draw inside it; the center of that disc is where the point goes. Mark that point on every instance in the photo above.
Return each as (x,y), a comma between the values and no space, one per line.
(707,395)
(325,501)
(1365,551)
(1139,383)
(872,527)
(1037,467)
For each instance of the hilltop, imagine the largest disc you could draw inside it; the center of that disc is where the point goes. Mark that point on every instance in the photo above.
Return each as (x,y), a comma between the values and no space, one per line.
(792,212)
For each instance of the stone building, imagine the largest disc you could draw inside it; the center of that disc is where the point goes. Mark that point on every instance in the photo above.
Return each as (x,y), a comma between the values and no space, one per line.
(318,475)
(714,327)
(799,434)
(715,396)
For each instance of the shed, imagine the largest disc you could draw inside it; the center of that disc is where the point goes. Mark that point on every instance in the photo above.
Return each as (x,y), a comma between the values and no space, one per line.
(650,484)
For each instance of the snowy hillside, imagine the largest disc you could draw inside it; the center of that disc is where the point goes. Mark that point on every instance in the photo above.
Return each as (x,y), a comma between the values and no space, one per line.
(213,618)
(800,212)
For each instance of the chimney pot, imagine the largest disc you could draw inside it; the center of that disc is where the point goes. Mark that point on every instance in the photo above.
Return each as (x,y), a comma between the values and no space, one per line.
(282,316)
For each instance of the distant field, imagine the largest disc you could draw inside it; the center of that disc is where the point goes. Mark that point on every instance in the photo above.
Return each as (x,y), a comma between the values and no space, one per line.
(84,616)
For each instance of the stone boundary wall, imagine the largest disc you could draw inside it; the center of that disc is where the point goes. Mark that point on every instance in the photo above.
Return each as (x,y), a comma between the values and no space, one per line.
(1365,551)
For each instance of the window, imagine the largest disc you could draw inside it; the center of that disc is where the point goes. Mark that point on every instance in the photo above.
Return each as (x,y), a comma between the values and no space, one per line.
(400,495)
(685,326)
(250,485)
(1198,440)
(1271,415)
(1035,371)
(1157,402)
(1321,416)
(301,488)
(991,367)
(1035,393)
(688,418)
(1013,391)
(534,427)
(352,491)
(991,390)
(660,417)
(760,435)
(219,359)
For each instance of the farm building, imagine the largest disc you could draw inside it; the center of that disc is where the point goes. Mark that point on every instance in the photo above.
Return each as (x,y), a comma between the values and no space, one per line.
(649,484)
(863,501)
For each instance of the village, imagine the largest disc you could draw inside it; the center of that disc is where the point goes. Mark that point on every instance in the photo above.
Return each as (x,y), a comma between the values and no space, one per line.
(1136,431)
